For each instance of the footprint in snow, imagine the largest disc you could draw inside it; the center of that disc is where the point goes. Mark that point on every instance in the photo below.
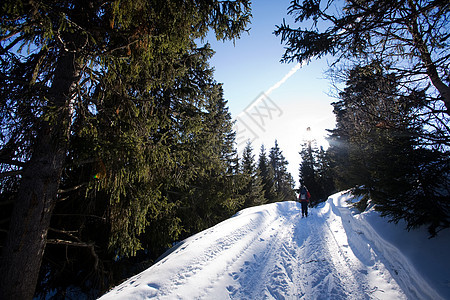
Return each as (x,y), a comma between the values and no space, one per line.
(234,275)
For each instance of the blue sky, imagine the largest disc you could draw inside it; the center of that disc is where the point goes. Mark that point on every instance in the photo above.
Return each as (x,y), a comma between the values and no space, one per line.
(265,101)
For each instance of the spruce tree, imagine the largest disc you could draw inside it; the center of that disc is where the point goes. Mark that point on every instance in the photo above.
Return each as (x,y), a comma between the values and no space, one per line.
(315,172)
(383,151)
(284,183)
(267,177)
(253,191)
(308,171)
(163,170)
(411,36)
(212,193)
(325,174)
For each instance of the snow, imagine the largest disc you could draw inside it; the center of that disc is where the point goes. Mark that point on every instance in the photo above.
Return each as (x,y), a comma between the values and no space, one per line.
(271,252)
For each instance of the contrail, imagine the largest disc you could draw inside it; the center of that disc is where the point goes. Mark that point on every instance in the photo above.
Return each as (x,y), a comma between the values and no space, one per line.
(286,77)
(274,87)
(252,120)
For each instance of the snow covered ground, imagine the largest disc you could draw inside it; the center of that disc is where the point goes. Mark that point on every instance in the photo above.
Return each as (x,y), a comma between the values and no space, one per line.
(270,252)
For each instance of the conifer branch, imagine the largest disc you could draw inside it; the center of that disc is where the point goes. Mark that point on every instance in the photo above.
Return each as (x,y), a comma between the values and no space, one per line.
(10,173)
(60,191)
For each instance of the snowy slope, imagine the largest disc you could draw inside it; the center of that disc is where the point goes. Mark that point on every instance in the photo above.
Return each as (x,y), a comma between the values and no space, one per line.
(270,252)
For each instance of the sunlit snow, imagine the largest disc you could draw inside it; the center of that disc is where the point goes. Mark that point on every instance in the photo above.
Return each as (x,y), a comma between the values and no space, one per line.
(270,252)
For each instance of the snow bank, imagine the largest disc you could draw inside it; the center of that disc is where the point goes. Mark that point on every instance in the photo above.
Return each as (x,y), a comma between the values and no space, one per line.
(270,252)
(408,252)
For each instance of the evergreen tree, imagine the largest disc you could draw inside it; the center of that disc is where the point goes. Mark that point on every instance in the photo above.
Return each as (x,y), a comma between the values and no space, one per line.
(212,194)
(315,172)
(178,179)
(284,183)
(307,171)
(253,190)
(338,152)
(325,174)
(267,176)
(383,154)
(411,36)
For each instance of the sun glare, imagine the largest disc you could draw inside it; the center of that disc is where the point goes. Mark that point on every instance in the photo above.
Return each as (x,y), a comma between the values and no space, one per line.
(315,137)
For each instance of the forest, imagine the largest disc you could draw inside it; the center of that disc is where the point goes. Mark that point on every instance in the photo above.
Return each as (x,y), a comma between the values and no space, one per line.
(116,140)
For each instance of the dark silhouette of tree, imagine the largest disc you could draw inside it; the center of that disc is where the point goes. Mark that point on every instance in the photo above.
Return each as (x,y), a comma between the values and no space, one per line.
(411,36)
(315,171)
(253,191)
(267,176)
(283,181)
(377,142)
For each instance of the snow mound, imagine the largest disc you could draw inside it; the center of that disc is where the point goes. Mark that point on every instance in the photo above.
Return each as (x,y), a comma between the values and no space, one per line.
(270,252)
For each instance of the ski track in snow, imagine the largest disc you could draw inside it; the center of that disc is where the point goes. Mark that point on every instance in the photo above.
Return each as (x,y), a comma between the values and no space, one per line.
(273,253)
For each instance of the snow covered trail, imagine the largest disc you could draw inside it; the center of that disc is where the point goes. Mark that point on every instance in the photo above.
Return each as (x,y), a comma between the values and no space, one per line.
(270,252)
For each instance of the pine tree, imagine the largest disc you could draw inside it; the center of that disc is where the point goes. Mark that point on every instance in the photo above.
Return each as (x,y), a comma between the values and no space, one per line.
(315,172)
(283,181)
(308,171)
(338,152)
(411,36)
(253,190)
(161,172)
(325,174)
(383,153)
(267,176)
(212,193)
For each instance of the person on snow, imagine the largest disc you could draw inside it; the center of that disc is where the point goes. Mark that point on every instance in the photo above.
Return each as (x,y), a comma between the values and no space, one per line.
(303,197)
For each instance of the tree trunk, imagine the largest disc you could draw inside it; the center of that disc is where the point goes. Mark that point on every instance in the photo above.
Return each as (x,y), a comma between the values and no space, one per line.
(27,236)
(425,56)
